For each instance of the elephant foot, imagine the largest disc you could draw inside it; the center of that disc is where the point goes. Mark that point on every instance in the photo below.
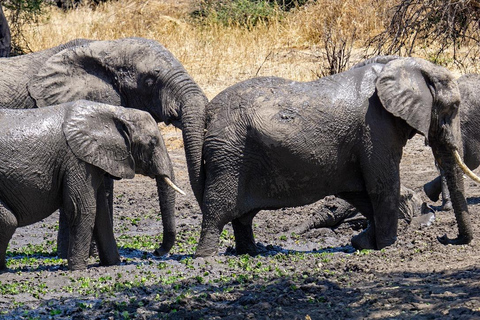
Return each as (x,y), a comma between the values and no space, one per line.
(73,266)
(208,244)
(365,239)
(457,241)
(110,261)
(250,249)
(160,252)
(447,205)
(385,243)
(433,189)
(205,252)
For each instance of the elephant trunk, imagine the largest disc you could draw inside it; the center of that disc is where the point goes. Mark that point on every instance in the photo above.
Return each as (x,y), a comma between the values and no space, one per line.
(457,195)
(193,131)
(184,106)
(454,175)
(166,195)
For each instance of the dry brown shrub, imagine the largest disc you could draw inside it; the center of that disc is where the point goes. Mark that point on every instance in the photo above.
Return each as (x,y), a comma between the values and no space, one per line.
(364,17)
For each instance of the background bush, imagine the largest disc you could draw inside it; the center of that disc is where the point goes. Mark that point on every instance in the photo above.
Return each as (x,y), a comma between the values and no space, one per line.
(243,13)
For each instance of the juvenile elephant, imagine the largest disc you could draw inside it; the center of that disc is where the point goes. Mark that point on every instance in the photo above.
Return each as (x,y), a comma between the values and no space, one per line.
(134,73)
(58,156)
(470,127)
(274,143)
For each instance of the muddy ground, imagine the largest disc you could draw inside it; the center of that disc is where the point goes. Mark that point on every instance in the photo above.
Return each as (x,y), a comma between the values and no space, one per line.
(313,275)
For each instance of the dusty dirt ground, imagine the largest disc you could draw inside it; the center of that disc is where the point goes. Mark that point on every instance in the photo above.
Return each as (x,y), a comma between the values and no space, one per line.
(314,275)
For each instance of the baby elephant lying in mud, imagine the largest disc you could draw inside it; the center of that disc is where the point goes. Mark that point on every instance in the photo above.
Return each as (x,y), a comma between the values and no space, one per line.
(58,156)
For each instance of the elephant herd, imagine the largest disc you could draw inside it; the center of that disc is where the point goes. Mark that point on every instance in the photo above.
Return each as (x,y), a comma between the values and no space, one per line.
(80,115)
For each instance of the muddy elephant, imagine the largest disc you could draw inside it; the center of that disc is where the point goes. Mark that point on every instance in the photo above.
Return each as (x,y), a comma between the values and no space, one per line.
(134,73)
(470,127)
(273,143)
(58,156)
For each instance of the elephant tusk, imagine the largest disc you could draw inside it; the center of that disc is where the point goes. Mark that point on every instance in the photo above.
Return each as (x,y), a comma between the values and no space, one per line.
(171,184)
(464,168)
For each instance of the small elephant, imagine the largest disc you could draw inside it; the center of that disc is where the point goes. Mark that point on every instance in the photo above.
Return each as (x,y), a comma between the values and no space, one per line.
(470,127)
(58,156)
(132,72)
(274,143)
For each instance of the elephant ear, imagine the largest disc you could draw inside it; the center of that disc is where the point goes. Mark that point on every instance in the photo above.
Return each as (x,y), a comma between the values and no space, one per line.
(97,135)
(73,74)
(406,93)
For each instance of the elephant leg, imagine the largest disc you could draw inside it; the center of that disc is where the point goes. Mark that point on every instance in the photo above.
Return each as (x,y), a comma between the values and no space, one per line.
(108,195)
(81,231)
(243,231)
(384,193)
(361,201)
(216,213)
(386,207)
(8,225)
(433,188)
(108,183)
(103,231)
(62,235)
(63,227)
(446,201)
(80,205)
(209,236)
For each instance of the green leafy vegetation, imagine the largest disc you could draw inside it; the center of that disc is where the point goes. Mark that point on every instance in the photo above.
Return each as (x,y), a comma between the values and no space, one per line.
(238,13)
(242,13)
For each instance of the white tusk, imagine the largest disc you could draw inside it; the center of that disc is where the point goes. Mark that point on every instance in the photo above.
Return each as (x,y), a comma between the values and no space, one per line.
(465,169)
(171,184)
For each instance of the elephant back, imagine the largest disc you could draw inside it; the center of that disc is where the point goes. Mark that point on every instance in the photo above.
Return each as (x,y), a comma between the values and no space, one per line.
(18,71)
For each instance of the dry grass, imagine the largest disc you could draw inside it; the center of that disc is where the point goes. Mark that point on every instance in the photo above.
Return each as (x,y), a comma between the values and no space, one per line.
(218,56)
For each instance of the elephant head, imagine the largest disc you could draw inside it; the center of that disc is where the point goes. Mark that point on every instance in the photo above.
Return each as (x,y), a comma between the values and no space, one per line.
(427,97)
(121,142)
(135,73)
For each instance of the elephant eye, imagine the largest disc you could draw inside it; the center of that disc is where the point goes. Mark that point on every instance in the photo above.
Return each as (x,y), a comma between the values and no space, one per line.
(149,81)
(153,142)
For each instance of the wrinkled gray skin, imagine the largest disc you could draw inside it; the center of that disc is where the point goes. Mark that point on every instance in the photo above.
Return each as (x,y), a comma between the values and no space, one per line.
(58,156)
(469,86)
(274,143)
(134,73)
(5,37)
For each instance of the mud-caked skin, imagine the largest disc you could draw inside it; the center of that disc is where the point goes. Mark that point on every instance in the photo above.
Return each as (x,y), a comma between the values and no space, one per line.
(57,157)
(274,143)
(469,86)
(134,73)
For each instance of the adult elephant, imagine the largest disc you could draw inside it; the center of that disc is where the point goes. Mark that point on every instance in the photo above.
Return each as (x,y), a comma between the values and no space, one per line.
(274,143)
(134,73)
(58,157)
(470,127)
